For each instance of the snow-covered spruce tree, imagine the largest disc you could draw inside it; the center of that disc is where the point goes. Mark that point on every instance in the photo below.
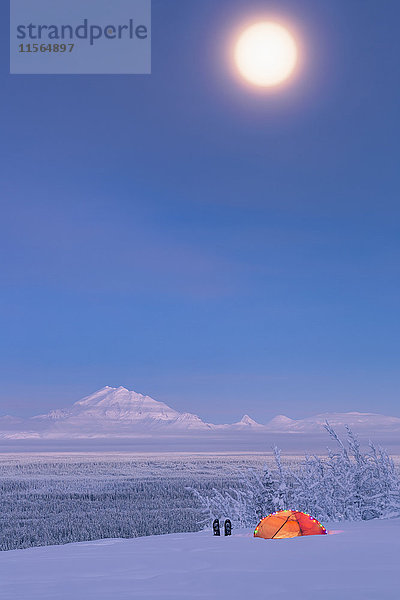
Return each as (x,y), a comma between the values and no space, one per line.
(282,498)
(265,496)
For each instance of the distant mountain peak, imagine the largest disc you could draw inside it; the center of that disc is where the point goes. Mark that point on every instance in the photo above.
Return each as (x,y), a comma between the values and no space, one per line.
(280,421)
(247,422)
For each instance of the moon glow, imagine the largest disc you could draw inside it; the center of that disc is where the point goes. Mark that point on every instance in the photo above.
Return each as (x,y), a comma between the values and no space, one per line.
(266,54)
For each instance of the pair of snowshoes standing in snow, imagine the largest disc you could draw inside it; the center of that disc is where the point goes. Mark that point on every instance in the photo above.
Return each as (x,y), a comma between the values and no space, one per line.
(227,527)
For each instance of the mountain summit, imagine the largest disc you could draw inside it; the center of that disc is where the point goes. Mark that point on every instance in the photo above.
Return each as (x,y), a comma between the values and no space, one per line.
(116,404)
(248,423)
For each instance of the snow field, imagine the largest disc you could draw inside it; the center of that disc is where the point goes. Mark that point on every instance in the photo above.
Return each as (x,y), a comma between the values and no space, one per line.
(359,562)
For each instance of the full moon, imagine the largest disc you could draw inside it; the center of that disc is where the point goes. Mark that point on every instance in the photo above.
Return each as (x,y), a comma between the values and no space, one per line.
(266,54)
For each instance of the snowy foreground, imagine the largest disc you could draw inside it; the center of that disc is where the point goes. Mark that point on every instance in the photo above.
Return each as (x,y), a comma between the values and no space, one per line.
(358,561)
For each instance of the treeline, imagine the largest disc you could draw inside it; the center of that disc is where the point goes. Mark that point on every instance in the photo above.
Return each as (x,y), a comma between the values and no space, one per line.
(41,512)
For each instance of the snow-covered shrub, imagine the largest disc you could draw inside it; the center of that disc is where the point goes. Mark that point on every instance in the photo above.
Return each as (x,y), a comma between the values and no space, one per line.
(347,485)
(251,498)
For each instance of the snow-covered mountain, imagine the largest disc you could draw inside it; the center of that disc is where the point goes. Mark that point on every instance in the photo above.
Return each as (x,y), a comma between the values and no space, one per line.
(113,412)
(355,420)
(246,423)
(280,423)
(113,404)
(120,413)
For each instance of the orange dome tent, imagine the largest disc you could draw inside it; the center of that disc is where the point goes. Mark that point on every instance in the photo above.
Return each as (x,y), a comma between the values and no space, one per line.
(287,524)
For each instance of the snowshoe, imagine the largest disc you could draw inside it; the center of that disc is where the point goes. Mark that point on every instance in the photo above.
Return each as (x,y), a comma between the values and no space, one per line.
(228,527)
(216,527)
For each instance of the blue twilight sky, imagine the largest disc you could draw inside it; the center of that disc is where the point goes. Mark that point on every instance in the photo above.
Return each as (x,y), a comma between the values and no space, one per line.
(223,250)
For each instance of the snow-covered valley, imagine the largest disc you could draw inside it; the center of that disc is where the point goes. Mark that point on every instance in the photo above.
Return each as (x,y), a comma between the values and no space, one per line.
(358,561)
